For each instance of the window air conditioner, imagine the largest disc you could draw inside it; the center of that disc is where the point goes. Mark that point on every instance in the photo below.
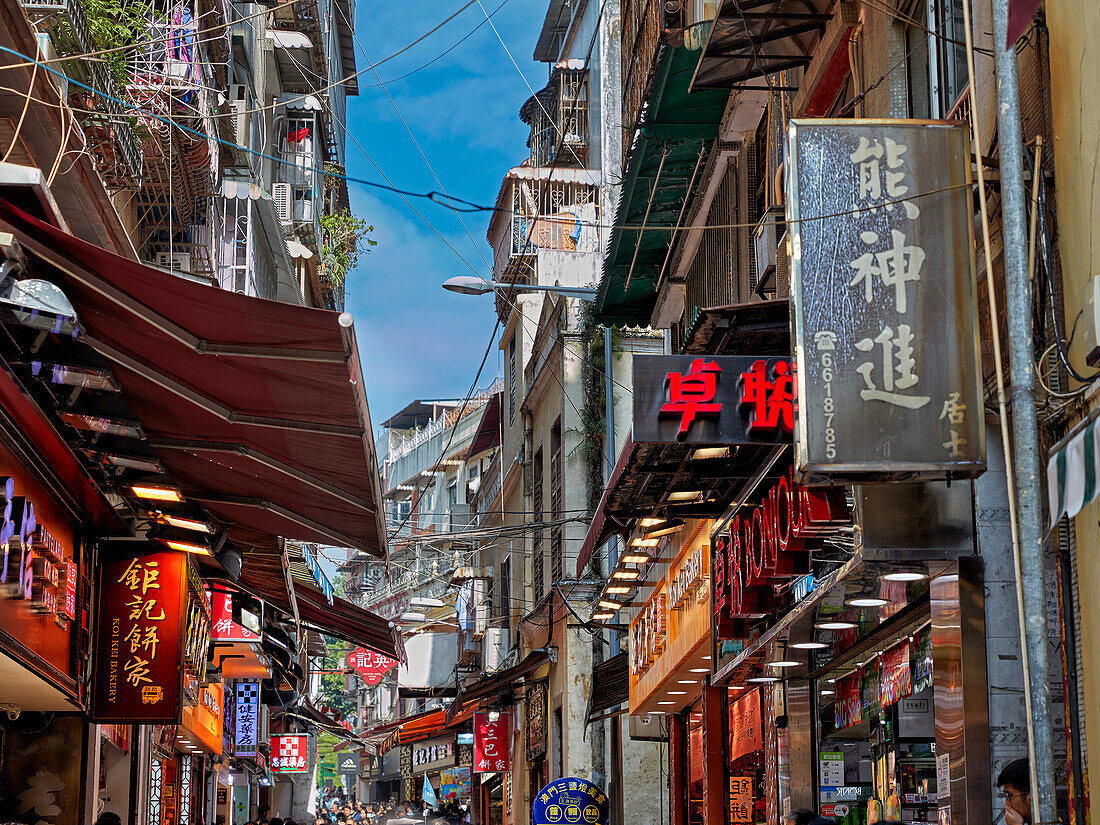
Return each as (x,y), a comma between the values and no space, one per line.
(283,195)
(239,104)
(494,649)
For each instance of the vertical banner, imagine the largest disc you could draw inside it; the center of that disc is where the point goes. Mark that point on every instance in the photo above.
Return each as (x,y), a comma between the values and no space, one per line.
(745,725)
(492,742)
(895,676)
(884,306)
(247,721)
(849,701)
(139,639)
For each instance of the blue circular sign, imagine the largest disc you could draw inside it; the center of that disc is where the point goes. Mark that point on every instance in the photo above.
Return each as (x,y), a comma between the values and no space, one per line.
(570,801)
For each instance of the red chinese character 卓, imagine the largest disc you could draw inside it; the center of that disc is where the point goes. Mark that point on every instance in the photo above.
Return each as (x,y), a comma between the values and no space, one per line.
(773,400)
(692,393)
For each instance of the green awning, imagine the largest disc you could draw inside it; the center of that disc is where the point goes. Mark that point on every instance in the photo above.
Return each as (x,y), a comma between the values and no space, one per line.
(677,126)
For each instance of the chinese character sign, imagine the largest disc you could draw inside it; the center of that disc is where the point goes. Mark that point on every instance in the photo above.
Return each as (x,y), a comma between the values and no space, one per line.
(570,801)
(730,399)
(246,724)
(289,753)
(139,639)
(224,629)
(886,335)
(492,743)
(370,665)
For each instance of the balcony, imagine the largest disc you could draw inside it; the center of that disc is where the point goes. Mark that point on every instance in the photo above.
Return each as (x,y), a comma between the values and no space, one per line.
(558,117)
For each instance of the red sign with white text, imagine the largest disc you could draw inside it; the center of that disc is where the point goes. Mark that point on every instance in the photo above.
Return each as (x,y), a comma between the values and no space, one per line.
(224,629)
(746,725)
(370,665)
(491,743)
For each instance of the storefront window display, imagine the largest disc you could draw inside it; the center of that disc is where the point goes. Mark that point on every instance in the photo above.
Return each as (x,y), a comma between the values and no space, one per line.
(746,762)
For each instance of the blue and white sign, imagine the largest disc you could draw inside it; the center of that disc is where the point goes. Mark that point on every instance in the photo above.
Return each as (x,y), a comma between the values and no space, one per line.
(570,801)
(247,722)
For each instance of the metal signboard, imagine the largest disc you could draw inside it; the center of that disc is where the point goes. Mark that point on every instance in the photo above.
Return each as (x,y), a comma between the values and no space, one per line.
(535,715)
(729,399)
(139,639)
(347,764)
(570,801)
(433,754)
(247,721)
(886,329)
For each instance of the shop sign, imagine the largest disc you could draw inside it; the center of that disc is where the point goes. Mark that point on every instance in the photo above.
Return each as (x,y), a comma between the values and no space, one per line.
(848,707)
(289,753)
(535,716)
(433,754)
(198,632)
(647,634)
(742,804)
(880,219)
(570,801)
(455,783)
(246,728)
(746,728)
(730,399)
(139,643)
(370,665)
(922,679)
(224,629)
(117,735)
(492,742)
(895,675)
(347,764)
(205,720)
(767,545)
(686,578)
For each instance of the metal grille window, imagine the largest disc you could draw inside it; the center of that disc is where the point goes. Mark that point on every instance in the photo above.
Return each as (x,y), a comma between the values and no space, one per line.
(235,257)
(712,277)
(156,786)
(553,214)
(559,121)
(512,379)
(557,539)
(504,589)
(185,790)
(536,542)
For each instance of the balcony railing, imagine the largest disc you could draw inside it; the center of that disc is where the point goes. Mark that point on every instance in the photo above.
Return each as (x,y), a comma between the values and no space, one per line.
(643,21)
(558,116)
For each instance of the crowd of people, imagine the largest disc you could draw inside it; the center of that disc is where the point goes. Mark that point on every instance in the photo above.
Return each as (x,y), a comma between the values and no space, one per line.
(335,809)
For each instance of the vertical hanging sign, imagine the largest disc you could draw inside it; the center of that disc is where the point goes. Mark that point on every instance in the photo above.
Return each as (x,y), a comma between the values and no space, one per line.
(246,728)
(139,639)
(885,313)
(491,743)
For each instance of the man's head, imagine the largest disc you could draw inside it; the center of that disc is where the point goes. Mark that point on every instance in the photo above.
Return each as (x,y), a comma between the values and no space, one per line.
(801,816)
(1015,784)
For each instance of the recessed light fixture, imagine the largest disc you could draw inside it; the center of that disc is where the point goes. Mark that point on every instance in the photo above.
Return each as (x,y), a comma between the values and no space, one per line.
(686,495)
(626,575)
(784,663)
(762,680)
(867,601)
(677,692)
(710,452)
(634,558)
(903,576)
(157,492)
(617,590)
(835,625)
(699,670)
(809,646)
(640,542)
(828,693)
(666,703)
(608,604)
(687,681)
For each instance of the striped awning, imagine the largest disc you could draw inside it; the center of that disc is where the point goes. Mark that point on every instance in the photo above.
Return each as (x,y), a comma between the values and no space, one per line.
(1072,471)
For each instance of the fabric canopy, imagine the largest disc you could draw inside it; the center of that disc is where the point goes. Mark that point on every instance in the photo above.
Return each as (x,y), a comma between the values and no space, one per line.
(494,683)
(488,430)
(255,408)
(1073,470)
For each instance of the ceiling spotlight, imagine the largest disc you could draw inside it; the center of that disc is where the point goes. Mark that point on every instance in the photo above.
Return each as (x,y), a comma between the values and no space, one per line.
(763,680)
(634,558)
(809,646)
(686,495)
(666,703)
(602,616)
(737,687)
(687,681)
(157,492)
(182,522)
(666,528)
(710,452)
(199,548)
(650,522)
(699,670)
(835,625)
(867,601)
(677,692)
(640,542)
(828,693)
(608,604)
(911,576)
(626,575)
(618,590)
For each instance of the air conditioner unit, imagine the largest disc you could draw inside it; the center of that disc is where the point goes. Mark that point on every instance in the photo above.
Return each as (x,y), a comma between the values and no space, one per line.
(494,648)
(239,100)
(176,261)
(283,195)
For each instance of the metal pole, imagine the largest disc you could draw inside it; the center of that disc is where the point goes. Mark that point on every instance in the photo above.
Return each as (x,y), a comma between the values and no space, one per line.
(1033,621)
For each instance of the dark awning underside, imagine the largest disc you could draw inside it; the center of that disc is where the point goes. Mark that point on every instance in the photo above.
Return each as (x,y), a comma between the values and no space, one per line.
(754,38)
(255,408)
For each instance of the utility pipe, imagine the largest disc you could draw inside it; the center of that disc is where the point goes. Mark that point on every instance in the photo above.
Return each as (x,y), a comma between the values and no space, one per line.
(1033,621)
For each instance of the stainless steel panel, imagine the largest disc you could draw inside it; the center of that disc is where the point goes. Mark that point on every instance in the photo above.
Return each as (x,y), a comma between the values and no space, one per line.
(915,522)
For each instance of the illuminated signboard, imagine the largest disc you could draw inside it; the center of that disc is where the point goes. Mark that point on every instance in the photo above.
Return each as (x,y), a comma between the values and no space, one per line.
(289,753)
(139,639)
(247,717)
(729,399)
(492,743)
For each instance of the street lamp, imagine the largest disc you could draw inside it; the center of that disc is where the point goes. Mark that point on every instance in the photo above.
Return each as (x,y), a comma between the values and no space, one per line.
(473,285)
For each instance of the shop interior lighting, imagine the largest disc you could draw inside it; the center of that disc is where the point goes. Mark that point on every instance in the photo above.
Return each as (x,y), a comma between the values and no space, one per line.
(602,617)
(905,576)
(688,495)
(181,546)
(626,575)
(634,558)
(665,528)
(157,492)
(651,522)
(86,378)
(618,590)
(710,452)
(784,663)
(99,424)
(867,601)
(763,680)
(835,625)
(809,646)
(182,522)
(644,542)
(608,604)
(133,462)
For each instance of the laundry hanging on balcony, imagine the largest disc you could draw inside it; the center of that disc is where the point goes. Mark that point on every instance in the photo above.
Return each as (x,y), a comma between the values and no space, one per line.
(1073,470)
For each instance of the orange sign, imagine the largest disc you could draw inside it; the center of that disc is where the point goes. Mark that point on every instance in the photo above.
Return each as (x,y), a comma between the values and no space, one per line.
(205,719)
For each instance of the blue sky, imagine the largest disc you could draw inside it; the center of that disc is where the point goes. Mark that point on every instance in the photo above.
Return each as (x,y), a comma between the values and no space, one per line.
(416,340)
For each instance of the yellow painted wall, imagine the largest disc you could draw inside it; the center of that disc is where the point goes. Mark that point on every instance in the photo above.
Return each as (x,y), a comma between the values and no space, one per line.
(1074,68)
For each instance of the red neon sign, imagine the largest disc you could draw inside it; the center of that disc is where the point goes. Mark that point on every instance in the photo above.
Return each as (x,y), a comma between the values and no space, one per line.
(692,393)
(767,545)
(772,400)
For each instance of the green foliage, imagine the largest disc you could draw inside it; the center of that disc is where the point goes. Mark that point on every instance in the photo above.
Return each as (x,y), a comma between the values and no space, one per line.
(342,239)
(111,23)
